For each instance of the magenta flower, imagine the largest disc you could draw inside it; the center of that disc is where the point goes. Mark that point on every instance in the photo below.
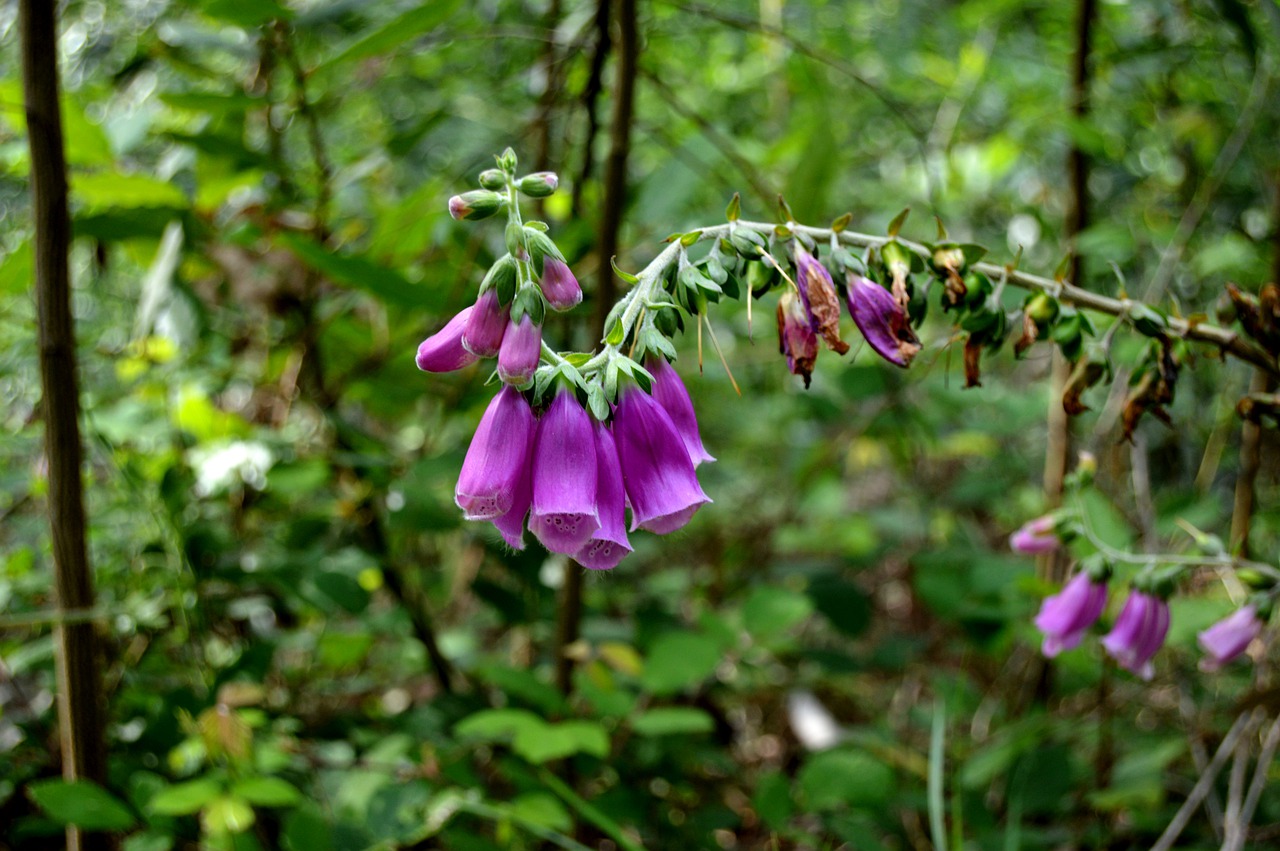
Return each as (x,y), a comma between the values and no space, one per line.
(1065,616)
(564,515)
(609,544)
(1138,633)
(511,524)
(518,355)
(443,351)
(881,320)
(497,458)
(818,294)
(558,284)
(1229,637)
(1036,536)
(796,338)
(482,335)
(660,481)
(671,394)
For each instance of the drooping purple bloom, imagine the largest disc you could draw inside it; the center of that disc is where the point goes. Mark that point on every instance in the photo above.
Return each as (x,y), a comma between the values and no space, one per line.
(1229,637)
(511,524)
(1064,617)
(497,458)
(609,544)
(661,484)
(882,320)
(796,338)
(564,515)
(518,355)
(1138,633)
(818,294)
(1035,536)
(486,325)
(671,394)
(443,351)
(558,284)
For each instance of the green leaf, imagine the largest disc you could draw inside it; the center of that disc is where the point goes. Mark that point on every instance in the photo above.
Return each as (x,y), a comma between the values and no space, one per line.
(557,741)
(228,814)
(839,778)
(267,792)
(113,190)
(245,13)
(896,225)
(185,798)
(771,611)
(395,32)
(844,604)
(360,272)
(81,803)
(772,800)
(542,809)
(626,276)
(672,720)
(679,660)
(616,334)
(497,724)
(734,209)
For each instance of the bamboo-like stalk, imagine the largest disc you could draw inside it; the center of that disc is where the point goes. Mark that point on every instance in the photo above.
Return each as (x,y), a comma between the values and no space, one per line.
(80,709)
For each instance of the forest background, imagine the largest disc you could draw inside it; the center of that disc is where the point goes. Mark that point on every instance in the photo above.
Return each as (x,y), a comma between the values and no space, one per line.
(304,646)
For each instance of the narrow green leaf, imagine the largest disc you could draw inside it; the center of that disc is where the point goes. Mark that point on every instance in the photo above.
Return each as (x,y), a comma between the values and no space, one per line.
(896,225)
(626,276)
(735,206)
(395,32)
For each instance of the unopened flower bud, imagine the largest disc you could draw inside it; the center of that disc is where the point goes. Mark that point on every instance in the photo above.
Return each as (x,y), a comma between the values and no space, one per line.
(493,178)
(474,205)
(540,184)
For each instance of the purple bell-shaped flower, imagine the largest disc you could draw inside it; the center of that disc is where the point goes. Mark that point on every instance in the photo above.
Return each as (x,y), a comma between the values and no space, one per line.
(521,346)
(497,457)
(564,515)
(443,351)
(661,484)
(881,320)
(1138,633)
(1066,616)
(1229,637)
(558,285)
(609,544)
(482,335)
(671,394)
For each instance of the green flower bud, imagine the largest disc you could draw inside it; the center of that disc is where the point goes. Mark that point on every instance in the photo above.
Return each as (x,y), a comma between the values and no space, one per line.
(493,178)
(539,184)
(476,204)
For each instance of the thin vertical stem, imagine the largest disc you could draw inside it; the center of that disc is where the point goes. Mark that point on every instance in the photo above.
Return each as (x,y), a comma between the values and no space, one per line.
(590,100)
(80,709)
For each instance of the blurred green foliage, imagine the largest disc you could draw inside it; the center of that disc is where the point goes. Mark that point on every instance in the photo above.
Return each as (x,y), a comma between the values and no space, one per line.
(258,194)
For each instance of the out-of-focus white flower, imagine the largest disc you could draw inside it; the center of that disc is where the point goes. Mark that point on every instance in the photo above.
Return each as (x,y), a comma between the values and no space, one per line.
(815,727)
(222,466)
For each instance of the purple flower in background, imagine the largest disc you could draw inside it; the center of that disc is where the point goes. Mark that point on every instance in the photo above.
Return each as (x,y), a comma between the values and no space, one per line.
(482,335)
(564,515)
(609,544)
(796,338)
(443,351)
(881,320)
(518,355)
(558,284)
(1138,633)
(1036,536)
(1065,616)
(671,394)
(818,294)
(661,484)
(1229,637)
(497,457)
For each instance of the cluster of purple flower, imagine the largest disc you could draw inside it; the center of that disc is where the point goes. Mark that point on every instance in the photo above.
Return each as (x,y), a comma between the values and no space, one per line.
(1143,623)
(569,478)
(813,311)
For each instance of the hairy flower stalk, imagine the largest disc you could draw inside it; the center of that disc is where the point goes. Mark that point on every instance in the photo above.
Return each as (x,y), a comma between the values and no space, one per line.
(1139,632)
(1066,616)
(443,351)
(1230,637)
(497,458)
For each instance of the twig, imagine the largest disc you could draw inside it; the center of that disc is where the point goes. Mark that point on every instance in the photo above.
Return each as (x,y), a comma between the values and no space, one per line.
(1202,787)
(1256,787)
(590,99)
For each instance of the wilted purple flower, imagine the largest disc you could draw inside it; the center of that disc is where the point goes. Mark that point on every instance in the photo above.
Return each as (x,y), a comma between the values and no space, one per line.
(818,294)
(521,346)
(1229,637)
(881,320)
(558,284)
(1036,536)
(796,338)
(443,351)
(564,515)
(1138,633)
(497,458)
(609,544)
(1064,617)
(671,394)
(482,335)
(660,481)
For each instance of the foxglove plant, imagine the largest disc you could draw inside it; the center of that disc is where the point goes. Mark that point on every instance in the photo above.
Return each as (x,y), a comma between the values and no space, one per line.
(1227,639)
(443,351)
(1065,617)
(564,515)
(1139,632)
